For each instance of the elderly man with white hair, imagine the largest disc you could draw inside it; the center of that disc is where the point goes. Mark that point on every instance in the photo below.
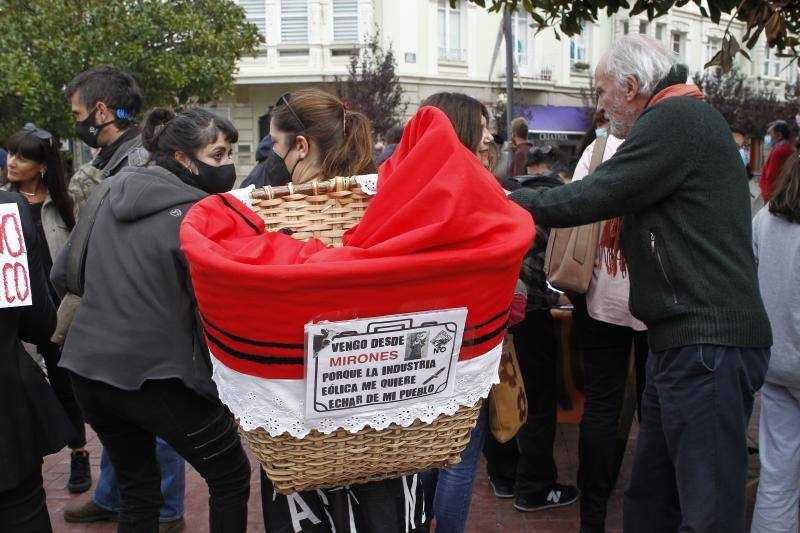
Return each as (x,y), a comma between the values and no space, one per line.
(676,191)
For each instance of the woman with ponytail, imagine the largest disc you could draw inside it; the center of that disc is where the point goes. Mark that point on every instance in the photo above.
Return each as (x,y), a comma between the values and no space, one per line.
(137,357)
(316,138)
(35,171)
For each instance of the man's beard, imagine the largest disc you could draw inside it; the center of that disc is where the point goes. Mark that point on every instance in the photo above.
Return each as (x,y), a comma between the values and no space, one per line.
(620,119)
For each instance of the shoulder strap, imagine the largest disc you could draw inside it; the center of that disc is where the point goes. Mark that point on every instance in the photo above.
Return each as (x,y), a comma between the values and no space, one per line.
(597,153)
(79,240)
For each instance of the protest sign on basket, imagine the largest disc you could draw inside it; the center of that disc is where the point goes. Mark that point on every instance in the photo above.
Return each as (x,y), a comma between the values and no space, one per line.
(359,365)
(16,288)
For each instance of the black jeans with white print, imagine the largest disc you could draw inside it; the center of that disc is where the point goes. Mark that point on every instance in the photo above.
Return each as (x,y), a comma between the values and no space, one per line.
(389,506)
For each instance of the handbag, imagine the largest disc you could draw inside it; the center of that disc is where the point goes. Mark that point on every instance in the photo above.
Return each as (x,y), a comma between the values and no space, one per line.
(508,403)
(75,249)
(571,252)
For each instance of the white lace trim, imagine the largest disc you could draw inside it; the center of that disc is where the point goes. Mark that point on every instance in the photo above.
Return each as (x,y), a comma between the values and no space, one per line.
(277,405)
(368,183)
(243,195)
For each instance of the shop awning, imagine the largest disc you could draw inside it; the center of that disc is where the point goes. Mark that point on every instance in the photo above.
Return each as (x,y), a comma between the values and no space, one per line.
(555,119)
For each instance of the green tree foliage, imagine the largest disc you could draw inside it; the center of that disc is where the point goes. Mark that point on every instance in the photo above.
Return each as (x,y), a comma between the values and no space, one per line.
(181,52)
(747,104)
(372,85)
(778,20)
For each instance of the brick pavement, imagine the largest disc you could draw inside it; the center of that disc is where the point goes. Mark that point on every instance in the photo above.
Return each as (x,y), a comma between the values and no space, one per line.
(487,515)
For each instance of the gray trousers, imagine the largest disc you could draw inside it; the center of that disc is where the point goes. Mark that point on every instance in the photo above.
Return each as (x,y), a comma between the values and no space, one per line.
(779,451)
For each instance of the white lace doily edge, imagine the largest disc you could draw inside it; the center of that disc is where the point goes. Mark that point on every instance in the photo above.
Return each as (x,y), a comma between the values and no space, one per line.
(277,406)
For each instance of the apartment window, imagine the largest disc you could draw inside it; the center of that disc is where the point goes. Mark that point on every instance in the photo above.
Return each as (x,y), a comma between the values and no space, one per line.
(345,21)
(519,30)
(450,31)
(713,46)
(661,31)
(256,13)
(578,57)
(791,74)
(644,27)
(626,28)
(294,21)
(772,64)
(676,44)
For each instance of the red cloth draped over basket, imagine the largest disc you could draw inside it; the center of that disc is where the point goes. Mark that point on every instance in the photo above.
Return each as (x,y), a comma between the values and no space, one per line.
(440,233)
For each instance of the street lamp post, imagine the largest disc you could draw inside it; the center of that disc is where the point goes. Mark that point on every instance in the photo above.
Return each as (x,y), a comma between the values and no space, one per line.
(509,68)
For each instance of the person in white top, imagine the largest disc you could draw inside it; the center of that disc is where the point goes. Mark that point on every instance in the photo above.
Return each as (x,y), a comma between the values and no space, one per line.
(604,331)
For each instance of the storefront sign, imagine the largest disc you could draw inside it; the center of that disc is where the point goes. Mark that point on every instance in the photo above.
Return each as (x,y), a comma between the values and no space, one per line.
(546,136)
(356,365)
(15,287)
(564,138)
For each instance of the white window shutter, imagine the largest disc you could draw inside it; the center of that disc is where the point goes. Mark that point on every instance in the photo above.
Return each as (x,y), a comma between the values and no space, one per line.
(345,21)
(256,12)
(294,21)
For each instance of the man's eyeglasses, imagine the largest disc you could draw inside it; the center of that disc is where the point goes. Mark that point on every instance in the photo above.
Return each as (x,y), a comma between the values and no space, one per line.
(284,100)
(39,132)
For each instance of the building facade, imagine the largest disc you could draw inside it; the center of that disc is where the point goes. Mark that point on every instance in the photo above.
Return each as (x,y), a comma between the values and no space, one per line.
(440,47)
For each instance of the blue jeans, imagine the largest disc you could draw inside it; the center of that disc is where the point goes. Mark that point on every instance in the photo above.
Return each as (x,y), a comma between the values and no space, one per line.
(173,483)
(448,492)
(690,468)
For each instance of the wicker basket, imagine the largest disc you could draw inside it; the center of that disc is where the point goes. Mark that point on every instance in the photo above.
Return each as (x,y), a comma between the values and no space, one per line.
(342,458)
(326,210)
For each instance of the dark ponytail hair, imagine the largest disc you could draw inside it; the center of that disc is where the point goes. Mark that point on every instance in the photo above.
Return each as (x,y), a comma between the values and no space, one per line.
(344,138)
(27,144)
(164,132)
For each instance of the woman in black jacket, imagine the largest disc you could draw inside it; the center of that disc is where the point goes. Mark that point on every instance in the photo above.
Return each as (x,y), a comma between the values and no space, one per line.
(35,171)
(137,357)
(32,422)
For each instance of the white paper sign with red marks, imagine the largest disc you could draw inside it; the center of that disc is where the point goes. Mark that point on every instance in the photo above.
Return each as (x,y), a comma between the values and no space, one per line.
(15,285)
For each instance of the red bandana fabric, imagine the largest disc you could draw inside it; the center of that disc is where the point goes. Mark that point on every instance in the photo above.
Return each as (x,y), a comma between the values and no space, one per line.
(440,233)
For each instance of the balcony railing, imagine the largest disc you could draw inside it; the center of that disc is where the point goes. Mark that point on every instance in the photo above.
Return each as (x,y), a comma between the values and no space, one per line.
(452,54)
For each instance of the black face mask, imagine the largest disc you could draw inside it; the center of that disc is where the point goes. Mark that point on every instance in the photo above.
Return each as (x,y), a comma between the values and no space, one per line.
(88,131)
(213,179)
(275,169)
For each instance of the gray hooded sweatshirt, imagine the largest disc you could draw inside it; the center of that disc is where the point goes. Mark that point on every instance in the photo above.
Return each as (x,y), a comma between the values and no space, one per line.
(136,320)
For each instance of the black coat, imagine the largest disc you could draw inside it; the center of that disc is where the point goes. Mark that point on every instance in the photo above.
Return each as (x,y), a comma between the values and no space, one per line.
(32,422)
